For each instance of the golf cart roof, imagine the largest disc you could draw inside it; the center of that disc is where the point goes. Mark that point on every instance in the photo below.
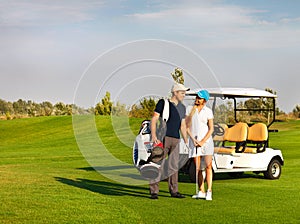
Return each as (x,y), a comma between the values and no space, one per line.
(235,92)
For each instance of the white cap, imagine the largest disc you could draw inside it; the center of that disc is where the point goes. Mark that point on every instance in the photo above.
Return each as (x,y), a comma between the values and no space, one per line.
(179,87)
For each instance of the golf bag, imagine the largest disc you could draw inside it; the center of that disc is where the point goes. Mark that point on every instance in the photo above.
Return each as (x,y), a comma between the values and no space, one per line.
(147,156)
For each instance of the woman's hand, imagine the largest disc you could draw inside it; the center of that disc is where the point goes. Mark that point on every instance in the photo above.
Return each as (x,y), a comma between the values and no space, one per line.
(195,142)
(192,113)
(198,143)
(201,143)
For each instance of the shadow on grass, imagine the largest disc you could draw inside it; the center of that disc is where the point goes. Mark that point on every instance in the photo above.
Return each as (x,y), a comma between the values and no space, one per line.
(229,176)
(107,188)
(103,168)
(185,178)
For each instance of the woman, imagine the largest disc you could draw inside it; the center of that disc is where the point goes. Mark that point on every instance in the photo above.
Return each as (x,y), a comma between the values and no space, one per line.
(200,128)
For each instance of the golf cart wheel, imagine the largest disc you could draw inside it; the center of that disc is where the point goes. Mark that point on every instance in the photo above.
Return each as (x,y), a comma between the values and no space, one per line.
(274,170)
(192,172)
(236,174)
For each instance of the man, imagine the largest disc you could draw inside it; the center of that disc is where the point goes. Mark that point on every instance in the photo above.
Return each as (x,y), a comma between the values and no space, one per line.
(175,123)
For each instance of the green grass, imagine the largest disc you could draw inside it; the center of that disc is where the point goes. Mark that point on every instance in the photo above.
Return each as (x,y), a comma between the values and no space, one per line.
(45,179)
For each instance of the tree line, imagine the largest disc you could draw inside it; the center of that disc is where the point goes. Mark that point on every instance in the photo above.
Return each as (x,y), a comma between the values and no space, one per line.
(22,108)
(224,112)
(143,109)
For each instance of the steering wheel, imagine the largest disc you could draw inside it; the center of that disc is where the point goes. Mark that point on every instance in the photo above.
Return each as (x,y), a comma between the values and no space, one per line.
(218,130)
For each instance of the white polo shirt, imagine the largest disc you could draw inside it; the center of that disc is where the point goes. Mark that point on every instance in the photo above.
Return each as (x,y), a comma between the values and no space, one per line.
(199,125)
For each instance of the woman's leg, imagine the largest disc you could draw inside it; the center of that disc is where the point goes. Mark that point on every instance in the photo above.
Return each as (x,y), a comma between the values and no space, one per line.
(197,161)
(209,173)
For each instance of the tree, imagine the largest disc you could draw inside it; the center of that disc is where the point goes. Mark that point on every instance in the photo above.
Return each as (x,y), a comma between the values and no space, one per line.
(91,110)
(253,104)
(119,109)
(79,110)
(262,103)
(134,111)
(48,107)
(296,111)
(6,107)
(69,109)
(20,107)
(177,75)
(224,113)
(10,107)
(60,109)
(144,109)
(30,107)
(8,116)
(105,107)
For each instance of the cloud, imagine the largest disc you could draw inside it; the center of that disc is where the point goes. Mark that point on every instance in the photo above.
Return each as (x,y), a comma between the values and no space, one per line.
(216,25)
(43,13)
(208,14)
(290,20)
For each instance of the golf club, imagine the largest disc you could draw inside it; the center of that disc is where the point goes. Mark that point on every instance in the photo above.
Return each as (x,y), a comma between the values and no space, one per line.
(197,185)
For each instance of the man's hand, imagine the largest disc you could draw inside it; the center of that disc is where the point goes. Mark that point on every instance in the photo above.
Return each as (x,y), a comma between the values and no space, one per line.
(153,127)
(155,140)
(186,141)
(183,131)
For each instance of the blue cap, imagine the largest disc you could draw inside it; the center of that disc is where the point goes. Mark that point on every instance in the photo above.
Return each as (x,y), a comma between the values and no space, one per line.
(204,94)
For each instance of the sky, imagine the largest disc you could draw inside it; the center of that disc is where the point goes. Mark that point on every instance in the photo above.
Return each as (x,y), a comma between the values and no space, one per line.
(47,46)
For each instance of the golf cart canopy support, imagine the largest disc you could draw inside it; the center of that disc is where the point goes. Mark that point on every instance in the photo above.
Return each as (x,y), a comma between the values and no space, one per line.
(235,93)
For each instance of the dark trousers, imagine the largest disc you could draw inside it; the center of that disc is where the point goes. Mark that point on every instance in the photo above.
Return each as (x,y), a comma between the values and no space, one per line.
(169,166)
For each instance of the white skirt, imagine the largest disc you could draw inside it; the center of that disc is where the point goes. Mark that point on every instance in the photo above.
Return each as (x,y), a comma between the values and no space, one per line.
(206,149)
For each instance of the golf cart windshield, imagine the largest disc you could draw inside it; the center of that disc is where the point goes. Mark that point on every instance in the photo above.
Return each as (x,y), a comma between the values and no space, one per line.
(245,100)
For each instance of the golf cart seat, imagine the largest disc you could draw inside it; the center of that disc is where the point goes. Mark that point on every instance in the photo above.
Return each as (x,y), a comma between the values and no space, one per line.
(237,134)
(257,135)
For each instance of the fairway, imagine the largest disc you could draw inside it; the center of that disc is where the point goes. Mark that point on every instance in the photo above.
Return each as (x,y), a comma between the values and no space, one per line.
(45,179)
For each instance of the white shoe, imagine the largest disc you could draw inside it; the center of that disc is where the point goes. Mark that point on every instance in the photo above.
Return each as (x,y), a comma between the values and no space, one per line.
(199,195)
(208,196)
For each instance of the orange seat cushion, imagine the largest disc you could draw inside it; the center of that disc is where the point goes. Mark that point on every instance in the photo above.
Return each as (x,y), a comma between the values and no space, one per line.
(237,133)
(250,150)
(225,150)
(258,132)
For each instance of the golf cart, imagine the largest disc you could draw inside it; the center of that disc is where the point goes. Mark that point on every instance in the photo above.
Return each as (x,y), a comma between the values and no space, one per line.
(242,147)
